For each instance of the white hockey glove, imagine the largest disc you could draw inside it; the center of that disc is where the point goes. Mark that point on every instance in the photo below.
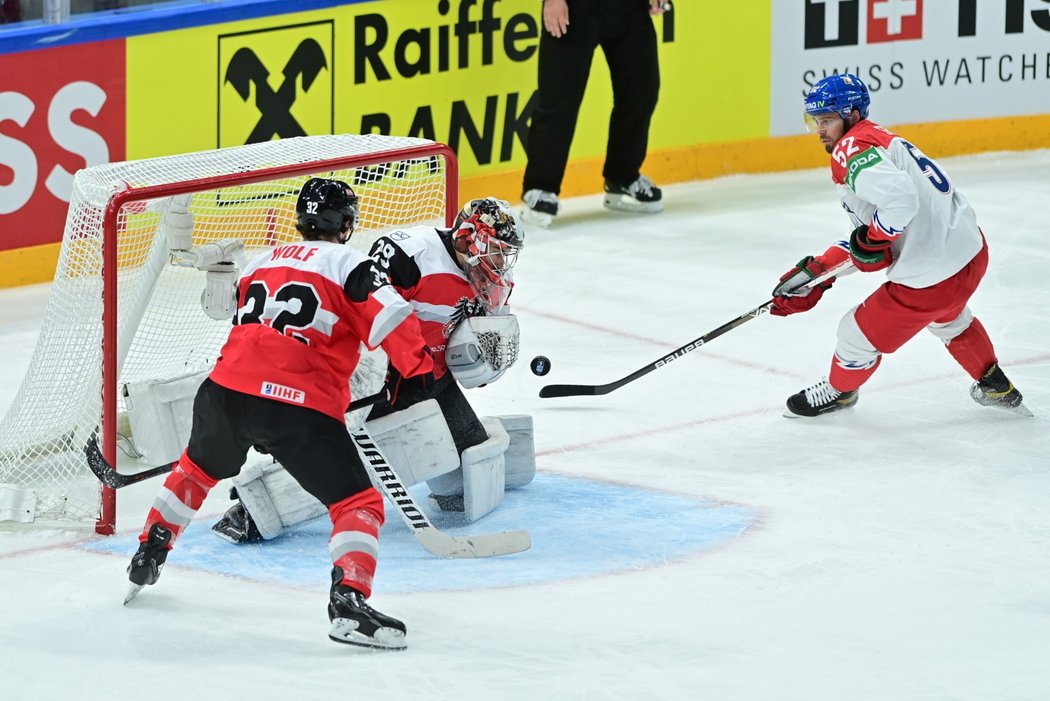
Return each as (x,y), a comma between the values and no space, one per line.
(482,348)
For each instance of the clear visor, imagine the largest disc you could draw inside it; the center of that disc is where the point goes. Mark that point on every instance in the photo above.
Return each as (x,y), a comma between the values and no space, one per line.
(822,121)
(493,293)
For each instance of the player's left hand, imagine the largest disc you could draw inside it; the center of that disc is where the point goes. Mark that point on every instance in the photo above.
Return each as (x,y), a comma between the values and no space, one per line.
(868,254)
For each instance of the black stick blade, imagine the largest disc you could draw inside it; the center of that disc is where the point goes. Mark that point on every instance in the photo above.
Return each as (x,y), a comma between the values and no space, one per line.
(571,390)
(109,476)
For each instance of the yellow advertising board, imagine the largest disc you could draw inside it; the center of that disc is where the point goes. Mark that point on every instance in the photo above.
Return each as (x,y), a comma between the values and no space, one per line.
(460,72)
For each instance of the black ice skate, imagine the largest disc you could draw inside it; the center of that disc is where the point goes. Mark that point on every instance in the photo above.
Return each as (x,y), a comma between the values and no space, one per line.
(147,562)
(640,196)
(540,207)
(356,623)
(819,399)
(237,526)
(994,389)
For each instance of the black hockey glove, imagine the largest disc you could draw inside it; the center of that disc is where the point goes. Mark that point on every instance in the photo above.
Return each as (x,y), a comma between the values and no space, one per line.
(403,392)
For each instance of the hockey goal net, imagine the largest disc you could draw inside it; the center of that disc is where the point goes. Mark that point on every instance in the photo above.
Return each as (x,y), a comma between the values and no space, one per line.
(120,312)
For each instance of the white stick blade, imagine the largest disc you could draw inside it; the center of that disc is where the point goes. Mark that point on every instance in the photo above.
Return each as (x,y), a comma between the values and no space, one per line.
(482,545)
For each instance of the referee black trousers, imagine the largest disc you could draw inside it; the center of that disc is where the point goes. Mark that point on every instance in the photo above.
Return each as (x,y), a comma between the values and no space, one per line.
(624,30)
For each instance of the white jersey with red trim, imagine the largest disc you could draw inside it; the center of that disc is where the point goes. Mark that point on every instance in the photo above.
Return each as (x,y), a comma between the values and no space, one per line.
(421,265)
(303,311)
(907,198)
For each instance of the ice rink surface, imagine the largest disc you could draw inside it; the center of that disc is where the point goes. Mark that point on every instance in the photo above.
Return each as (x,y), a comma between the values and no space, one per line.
(689,541)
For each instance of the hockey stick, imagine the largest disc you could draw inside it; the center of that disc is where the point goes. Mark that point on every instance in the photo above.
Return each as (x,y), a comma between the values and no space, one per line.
(108,475)
(585,390)
(433,540)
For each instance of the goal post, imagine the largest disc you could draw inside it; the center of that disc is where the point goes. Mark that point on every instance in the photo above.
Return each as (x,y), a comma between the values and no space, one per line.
(123,314)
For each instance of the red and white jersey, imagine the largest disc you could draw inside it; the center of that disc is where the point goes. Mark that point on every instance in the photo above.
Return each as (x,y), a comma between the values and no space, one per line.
(905,197)
(421,264)
(303,311)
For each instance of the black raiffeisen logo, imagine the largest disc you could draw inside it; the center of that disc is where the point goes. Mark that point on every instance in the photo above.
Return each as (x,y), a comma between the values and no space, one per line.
(276,83)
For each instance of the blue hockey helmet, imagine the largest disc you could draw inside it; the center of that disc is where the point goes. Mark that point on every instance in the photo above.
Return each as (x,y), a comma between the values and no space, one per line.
(840,93)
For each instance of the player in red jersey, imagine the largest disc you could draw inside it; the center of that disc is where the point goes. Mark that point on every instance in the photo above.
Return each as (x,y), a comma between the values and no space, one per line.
(452,278)
(909,221)
(281,385)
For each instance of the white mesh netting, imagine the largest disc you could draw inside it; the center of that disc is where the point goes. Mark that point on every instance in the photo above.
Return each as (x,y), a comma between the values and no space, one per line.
(161,330)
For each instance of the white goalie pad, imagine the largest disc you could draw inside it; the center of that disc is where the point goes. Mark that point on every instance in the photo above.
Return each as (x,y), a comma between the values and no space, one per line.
(481,348)
(521,454)
(17,504)
(416,441)
(274,499)
(519,460)
(160,413)
(481,478)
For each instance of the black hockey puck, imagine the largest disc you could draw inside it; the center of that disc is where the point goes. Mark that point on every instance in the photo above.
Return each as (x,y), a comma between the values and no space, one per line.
(540,365)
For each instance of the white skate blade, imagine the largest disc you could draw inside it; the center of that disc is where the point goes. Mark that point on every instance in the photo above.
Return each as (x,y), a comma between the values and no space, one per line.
(344,630)
(788,414)
(531,216)
(625,203)
(1019,410)
(133,591)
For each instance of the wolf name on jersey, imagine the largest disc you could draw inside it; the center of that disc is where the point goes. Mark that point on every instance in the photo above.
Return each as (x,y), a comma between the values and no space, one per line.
(908,199)
(302,308)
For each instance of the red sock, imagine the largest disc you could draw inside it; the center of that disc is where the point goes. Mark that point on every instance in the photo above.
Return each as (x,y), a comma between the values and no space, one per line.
(848,379)
(973,350)
(354,545)
(183,493)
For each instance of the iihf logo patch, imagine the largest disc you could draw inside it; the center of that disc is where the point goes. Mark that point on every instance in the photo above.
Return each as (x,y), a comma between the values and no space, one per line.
(286,394)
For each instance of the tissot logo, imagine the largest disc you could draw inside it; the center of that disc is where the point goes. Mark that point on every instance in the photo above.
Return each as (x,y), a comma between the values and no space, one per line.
(832,23)
(276,83)
(837,22)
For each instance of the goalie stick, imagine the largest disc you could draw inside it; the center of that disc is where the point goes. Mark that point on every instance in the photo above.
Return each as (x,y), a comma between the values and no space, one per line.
(108,475)
(433,540)
(550,391)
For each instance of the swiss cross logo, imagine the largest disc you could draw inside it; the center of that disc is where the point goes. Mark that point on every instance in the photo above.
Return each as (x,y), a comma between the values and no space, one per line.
(893,20)
(837,22)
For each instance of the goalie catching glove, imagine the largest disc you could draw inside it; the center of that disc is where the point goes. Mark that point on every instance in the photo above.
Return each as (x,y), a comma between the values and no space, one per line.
(482,348)
(791,296)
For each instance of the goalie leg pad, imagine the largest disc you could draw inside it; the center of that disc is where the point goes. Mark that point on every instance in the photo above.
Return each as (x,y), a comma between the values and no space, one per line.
(160,414)
(274,499)
(519,459)
(484,471)
(416,442)
(521,454)
(481,478)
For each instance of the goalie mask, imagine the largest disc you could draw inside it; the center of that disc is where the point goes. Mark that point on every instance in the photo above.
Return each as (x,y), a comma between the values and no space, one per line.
(489,236)
(481,348)
(327,207)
